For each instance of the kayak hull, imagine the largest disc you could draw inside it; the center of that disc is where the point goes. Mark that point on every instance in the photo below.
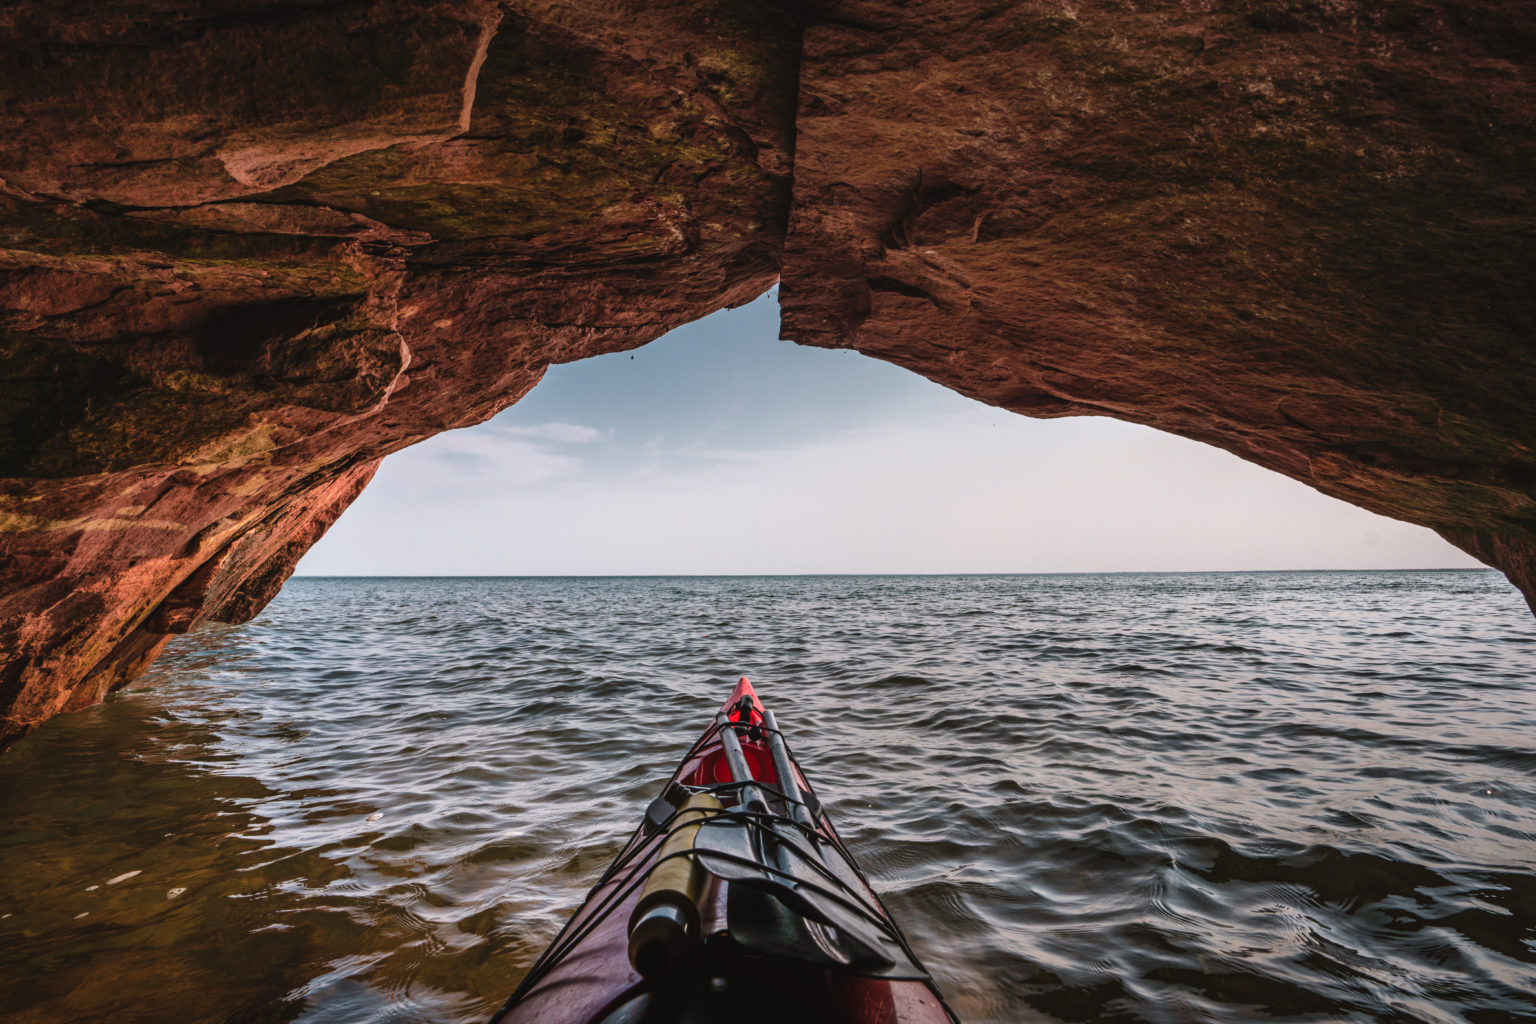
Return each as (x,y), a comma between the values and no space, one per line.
(586,977)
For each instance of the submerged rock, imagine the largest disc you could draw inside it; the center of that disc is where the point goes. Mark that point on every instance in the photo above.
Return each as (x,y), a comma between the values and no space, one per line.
(249,249)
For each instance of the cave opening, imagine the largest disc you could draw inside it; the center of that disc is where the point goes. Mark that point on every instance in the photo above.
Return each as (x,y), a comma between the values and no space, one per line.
(722,449)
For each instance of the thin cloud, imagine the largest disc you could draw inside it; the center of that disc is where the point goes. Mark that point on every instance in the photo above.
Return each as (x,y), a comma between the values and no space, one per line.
(465,458)
(561,433)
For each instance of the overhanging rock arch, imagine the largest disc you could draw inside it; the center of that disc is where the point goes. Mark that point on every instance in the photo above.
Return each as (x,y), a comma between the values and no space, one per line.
(252,249)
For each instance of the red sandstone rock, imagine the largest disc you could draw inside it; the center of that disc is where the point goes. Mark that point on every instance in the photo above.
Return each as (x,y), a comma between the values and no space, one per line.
(192,393)
(1300,232)
(250,247)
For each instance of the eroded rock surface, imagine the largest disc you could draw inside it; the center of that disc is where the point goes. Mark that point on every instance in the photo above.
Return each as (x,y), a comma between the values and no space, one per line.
(250,247)
(1300,232)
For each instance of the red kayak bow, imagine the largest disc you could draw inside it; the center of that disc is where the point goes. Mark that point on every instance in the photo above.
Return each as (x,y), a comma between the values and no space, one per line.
(735,901)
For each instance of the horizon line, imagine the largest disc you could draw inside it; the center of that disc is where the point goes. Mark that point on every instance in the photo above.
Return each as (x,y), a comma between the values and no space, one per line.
(772,575)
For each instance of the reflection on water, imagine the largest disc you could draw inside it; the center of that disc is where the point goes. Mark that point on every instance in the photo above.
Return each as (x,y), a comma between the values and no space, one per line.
(1089,798)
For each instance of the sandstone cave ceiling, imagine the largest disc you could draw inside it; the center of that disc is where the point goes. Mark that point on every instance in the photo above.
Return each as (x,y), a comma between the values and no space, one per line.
(250,247)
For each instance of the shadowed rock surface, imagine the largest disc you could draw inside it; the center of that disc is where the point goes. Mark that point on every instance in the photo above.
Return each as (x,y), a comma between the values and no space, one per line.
(249,248)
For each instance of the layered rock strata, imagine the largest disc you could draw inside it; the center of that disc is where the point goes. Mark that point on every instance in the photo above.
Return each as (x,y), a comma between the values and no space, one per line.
(1301,232)
(250,247)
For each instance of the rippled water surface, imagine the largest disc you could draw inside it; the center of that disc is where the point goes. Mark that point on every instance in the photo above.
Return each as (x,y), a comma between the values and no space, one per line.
(1210,797)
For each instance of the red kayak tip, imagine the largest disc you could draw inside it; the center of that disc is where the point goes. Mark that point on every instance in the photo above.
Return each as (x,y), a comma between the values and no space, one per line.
(742,691)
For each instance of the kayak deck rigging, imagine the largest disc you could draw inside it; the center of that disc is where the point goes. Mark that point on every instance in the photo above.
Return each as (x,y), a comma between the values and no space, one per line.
(735,899)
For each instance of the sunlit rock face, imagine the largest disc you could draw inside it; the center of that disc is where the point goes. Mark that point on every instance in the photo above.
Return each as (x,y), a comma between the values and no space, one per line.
(249,248)
(252,246)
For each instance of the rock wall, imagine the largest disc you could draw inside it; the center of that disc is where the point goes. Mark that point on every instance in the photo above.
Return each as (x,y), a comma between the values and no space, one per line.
(250,247)
(1298,231)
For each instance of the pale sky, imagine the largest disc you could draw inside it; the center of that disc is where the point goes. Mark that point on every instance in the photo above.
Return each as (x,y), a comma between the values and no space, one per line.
(722,449)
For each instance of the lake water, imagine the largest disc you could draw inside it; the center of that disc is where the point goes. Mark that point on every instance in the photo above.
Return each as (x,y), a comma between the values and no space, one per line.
(1159,797)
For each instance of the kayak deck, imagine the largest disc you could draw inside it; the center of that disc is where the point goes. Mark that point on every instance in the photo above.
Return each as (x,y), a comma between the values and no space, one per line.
(738,899)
